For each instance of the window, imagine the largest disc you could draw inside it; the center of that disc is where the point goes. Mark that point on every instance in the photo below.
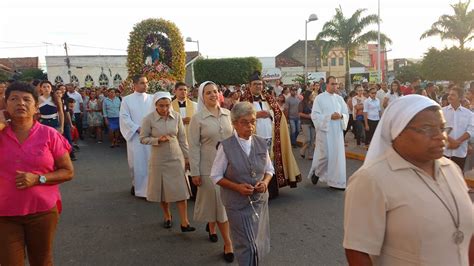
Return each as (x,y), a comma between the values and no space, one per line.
(89,81)
(341,61)
(103,80)
(58,79)
(333,61)
(74,80)
(117,80)
(325,62)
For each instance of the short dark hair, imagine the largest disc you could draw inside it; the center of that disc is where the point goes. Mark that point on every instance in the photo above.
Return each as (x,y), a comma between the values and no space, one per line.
(330,77)
(23,87)
(36,82)
(459,91)
(70,100)
(179,84)
(136,78)
(415,79)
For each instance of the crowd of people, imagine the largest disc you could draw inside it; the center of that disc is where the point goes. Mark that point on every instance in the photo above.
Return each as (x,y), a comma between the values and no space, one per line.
(230,148)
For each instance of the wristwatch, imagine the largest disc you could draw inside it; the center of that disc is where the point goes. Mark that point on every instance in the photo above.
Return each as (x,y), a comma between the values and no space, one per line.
(42,179)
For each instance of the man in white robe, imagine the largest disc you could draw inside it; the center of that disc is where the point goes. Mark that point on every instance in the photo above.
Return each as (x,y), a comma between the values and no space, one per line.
(330,117)
(133,109)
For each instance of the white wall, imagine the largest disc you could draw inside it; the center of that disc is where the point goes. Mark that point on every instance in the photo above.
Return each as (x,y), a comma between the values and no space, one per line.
(288,74)
(81,66)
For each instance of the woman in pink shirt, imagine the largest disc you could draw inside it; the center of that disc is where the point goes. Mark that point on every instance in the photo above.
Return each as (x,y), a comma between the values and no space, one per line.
(34,160)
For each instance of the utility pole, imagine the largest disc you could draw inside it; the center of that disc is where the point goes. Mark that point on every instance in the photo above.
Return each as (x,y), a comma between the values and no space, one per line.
(68,63)
(379,64)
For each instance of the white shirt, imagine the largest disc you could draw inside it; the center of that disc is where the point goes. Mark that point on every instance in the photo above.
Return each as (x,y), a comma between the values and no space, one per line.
(220,162)
(391,97)
(278,90)
(381,95)
(78,98)
(264,125)
(355,101)
(461,120)
(182,110)
(372,108)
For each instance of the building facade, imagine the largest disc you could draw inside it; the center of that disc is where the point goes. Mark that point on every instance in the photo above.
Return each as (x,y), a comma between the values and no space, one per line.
(88,70)
(98,70)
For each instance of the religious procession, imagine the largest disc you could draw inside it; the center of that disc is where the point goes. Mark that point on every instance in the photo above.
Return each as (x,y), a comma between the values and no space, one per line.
(356,167)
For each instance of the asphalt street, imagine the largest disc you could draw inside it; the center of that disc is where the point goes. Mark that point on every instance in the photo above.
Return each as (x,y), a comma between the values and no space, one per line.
(102,224)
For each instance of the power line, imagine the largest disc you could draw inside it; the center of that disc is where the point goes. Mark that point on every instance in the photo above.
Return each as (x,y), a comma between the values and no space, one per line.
(95,47)
(16,47)
(35,45)
(29,43)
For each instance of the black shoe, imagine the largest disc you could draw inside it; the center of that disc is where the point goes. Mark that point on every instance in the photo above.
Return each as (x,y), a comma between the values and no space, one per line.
(314,179)
(132,191)
(336,188)
(168,224)
(213,238)
(187,228)
(228,257)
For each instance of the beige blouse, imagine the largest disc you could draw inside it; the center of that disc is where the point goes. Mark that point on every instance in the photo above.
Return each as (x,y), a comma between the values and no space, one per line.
(392,215)
(205,131)
(155,126)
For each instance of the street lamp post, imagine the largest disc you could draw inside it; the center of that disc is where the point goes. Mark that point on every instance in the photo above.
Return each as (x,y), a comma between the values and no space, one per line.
(189,39)
(312,17)
(379,65)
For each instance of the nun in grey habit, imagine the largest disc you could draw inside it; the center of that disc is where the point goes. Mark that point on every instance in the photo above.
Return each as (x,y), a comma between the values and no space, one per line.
(243,169)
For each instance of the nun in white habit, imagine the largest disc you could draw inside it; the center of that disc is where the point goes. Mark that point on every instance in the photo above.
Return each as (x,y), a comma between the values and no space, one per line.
(407,204)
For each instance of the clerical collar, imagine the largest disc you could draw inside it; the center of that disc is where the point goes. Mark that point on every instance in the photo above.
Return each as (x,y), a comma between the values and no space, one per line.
(182,104)
(258,98)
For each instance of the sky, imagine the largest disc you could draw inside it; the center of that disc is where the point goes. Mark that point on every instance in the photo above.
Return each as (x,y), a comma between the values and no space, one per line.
(225,28)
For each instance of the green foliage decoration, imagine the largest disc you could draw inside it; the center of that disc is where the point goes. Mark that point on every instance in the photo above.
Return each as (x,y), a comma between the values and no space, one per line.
(137,46)
(228,71)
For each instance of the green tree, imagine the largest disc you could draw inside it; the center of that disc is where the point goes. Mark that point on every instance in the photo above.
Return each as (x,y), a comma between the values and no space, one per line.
(4,76)
(453,64)
(349,34)
(409,72)
(31,74)
(229,71)
(459,27)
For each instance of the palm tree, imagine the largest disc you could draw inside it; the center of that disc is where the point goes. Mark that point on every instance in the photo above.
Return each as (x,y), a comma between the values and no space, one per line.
(459,26)
(348,34)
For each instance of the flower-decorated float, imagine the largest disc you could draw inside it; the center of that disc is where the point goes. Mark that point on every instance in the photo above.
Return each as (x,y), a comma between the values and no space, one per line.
(156,50)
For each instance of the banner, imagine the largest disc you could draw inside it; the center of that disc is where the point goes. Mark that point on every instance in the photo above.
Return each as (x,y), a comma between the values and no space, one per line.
(316,76)
(271,74)
(374,77)
(359,77)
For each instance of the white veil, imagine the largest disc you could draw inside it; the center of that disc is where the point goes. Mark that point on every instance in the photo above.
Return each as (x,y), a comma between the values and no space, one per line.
(200,103)
(394,119)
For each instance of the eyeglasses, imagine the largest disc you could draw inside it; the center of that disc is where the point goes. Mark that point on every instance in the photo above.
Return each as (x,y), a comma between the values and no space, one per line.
(247,123)
(432,131)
